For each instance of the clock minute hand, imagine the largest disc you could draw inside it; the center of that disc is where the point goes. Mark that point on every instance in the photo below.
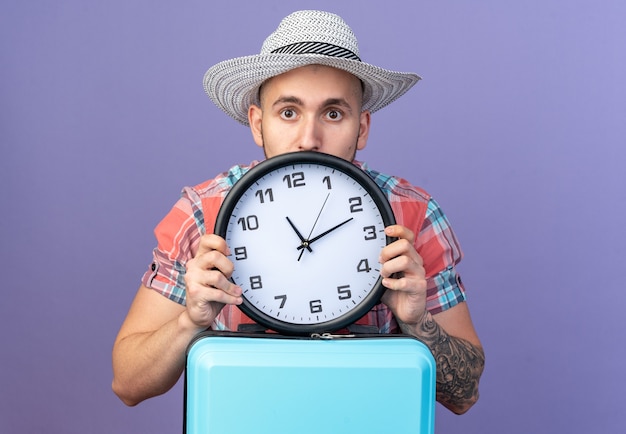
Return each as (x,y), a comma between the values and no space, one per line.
(312,240)
(305,243)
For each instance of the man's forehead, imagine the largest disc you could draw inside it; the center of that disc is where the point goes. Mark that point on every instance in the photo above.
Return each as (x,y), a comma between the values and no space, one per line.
(315,68)
(295,78)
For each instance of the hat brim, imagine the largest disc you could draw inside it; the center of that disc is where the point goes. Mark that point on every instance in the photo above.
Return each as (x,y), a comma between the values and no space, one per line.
(233,85)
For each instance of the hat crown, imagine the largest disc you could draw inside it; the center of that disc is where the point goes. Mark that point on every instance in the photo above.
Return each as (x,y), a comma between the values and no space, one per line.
(311,27)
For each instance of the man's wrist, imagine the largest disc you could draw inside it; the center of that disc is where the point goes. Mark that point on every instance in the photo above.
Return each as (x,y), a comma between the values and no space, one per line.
(187,325)
(425,328)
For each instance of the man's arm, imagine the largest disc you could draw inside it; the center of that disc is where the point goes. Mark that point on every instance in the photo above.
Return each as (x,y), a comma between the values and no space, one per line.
(450,334)
(460,360)
(149,352)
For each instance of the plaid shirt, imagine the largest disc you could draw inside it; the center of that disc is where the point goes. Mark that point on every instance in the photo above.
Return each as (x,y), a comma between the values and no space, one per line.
(178,236)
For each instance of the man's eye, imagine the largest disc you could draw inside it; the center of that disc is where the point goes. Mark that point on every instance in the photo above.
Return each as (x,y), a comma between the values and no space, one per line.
(287,114)
(334,115)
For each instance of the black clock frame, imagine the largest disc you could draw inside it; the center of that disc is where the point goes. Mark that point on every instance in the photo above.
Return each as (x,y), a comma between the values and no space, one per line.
(299,158)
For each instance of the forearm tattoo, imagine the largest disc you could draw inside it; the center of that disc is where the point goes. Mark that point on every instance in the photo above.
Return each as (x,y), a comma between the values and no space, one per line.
(459,366)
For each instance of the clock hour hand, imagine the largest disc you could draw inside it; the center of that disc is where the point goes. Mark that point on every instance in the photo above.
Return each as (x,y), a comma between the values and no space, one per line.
(312,240)
(305,243)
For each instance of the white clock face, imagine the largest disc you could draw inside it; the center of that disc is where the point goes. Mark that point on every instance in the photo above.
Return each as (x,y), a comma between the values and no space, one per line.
(305,240)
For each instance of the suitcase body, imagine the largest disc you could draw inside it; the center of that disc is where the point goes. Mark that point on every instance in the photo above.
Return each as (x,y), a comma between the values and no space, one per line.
(274,384)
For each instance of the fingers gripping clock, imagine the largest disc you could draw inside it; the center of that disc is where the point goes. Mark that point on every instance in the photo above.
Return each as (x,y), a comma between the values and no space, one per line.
(306,230)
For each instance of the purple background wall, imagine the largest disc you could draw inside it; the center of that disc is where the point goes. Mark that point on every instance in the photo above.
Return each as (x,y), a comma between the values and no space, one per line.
(518,129)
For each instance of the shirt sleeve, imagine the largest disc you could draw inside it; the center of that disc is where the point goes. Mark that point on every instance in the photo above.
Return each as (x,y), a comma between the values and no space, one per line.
(178,236)
(440,249)
(435,240)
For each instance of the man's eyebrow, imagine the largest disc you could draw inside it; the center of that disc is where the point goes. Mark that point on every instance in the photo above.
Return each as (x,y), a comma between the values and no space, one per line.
(329,102)
(288,100)
(338,102)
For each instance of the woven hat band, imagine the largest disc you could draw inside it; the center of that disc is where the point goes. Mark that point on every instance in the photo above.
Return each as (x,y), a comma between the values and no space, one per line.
(323,48)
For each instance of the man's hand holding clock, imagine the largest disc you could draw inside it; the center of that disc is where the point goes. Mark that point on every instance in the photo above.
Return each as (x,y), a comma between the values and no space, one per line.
(209,287)
(207,281)
(404,277)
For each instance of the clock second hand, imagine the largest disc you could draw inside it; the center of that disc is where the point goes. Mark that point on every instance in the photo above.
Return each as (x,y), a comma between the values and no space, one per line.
(306,242)
(318,215)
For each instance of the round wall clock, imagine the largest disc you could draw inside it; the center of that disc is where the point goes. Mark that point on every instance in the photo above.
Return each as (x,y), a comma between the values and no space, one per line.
(305,231)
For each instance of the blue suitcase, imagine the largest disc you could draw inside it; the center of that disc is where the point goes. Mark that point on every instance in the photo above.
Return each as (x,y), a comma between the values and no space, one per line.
(267,383)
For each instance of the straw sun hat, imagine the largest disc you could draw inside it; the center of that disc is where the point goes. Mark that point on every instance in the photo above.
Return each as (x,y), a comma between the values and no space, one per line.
(302,38)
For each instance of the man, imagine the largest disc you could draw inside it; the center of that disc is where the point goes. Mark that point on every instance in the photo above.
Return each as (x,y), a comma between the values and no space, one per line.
(307,90)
